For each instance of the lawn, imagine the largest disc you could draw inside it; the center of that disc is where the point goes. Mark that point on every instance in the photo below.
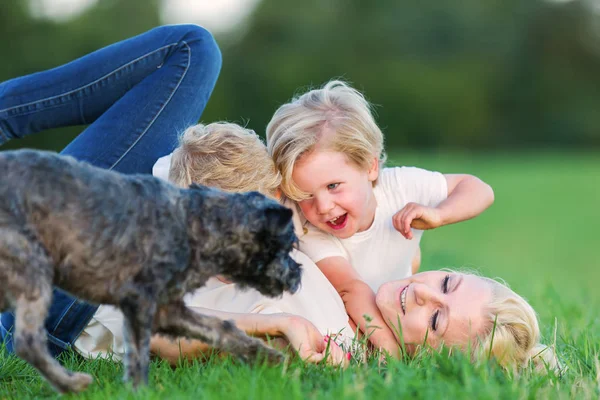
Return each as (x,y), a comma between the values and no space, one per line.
(540,236)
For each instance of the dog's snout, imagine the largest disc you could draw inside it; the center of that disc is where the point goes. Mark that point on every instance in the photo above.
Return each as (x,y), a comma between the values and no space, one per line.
(294,275)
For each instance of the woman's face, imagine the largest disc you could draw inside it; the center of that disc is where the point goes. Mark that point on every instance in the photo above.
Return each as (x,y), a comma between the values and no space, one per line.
(444,306)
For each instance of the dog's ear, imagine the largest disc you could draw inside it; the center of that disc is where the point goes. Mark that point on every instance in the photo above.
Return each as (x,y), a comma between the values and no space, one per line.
(278,218)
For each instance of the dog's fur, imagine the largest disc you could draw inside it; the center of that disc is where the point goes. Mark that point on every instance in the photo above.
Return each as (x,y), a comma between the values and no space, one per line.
(135,242)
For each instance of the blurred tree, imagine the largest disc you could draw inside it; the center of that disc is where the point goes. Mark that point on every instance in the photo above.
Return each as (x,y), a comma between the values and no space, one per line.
(472,74)
(550,93)
(468,74)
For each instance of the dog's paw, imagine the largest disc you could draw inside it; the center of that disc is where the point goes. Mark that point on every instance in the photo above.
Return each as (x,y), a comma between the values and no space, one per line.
(79,382)
(272,356)
(257,351)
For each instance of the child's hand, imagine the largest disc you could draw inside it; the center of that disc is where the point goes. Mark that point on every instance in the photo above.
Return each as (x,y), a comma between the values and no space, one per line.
(416,216)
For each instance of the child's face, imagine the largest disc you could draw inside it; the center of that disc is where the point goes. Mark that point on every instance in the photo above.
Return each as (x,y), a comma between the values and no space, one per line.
(342,201)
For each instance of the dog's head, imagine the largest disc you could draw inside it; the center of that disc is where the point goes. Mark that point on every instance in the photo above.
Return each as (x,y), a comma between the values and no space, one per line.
(249,237)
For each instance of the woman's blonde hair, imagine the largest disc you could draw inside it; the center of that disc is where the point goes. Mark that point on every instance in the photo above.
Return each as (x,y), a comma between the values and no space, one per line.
(512,333)
(336,117)
(226,156)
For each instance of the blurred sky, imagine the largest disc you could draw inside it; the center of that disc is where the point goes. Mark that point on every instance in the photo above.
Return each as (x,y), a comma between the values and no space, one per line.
(216,15)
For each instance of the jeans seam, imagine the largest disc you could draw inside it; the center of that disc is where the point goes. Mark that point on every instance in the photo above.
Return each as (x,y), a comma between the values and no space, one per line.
(63,316)
(58,342)
(161,109)
(89,84)
(2,326)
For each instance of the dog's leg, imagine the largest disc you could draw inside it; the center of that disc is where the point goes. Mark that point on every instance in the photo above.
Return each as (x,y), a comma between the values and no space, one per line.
(138,307)
(30,342)
(179,321)
(27,281)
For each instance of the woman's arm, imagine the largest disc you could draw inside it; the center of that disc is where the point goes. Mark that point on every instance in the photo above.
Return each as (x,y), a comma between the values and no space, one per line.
(285,329)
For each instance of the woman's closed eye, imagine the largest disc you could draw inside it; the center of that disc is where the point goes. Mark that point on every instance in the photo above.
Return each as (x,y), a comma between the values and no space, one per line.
(436,315)
(434,320)
(445,284)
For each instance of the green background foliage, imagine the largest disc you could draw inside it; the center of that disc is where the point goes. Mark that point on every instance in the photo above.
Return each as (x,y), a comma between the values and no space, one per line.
(469,74)
(536,237)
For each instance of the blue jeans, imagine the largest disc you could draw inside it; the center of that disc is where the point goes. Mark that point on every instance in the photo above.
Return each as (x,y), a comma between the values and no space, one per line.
(137,96)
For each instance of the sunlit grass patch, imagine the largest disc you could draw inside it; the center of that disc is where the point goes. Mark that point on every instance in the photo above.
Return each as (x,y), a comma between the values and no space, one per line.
(541,236)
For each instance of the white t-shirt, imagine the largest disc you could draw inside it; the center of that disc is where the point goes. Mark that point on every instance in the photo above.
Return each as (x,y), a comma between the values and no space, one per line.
(381,254)
(316,300)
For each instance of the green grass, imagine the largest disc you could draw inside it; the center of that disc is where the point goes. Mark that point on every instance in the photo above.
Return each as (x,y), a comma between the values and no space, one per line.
(541,236)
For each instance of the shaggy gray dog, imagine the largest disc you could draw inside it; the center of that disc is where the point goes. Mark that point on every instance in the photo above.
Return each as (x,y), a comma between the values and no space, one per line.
(135,242)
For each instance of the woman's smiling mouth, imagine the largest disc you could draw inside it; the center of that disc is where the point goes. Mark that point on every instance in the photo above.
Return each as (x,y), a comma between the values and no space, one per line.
(403,299)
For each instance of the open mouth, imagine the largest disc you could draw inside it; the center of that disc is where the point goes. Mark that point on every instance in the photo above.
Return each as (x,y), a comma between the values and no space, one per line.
(403,299)
(338,222)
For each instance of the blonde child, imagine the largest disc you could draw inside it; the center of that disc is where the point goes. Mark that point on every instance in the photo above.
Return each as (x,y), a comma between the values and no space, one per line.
(364,222)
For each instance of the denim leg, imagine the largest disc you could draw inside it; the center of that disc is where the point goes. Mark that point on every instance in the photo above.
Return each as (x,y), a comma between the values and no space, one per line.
(67,318)
(137,95)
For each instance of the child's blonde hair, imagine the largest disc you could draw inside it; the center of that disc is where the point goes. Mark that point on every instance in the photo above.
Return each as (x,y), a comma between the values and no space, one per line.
(226,156)
(337,118)
(512,333)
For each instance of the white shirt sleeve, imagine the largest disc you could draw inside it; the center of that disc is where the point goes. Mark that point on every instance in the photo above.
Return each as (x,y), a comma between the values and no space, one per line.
(162,166)
(411,184)
(318,245)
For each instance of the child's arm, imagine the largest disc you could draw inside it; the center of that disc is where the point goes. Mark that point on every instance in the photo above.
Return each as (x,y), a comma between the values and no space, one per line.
(416,261)
(468,196)
(359,300)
